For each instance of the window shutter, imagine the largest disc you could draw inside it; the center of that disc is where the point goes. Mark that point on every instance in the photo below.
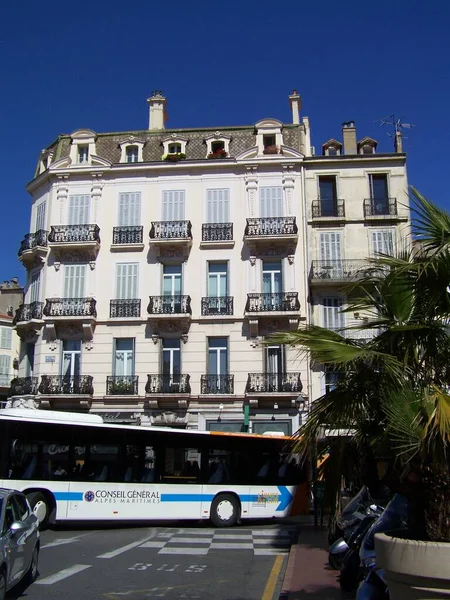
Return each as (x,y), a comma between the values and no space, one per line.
(6,338)
(330,246)
(79,210)
(270,202)
(383,242)
(332,316)
(173,205)
(126,281)
(5,364)
(35,287)
(218,206)
(40,216)
(74,276)
(129,209)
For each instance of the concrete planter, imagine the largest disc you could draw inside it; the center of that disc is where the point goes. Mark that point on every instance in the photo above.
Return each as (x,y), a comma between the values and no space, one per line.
(414,570)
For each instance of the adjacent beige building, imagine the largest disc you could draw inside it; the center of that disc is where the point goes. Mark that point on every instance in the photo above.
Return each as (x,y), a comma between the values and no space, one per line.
(158,262)
(11,298)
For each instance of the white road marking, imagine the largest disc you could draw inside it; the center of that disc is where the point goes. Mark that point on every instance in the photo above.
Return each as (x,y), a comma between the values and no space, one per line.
(188,540)
(203,530)
(165,535)
(230,536)
(62,541)
(154,544)
(231,546)
(270,533)
(199,551)
(123,549)
(51,579)
(272,540)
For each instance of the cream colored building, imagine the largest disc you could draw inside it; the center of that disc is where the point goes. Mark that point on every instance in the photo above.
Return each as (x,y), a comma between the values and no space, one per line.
(11,297)
(159,260)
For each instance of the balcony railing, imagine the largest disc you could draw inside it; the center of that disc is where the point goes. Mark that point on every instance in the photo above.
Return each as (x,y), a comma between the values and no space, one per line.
(32,240)
(61,385)
(169,305)
(60,234)
(124,308)
(5,380)
(271,226)
(23,386)
(171,230)
(278,302)
(274,382)
(122,385)
(380,207)
(217,305)
(70,307)
(322,208)
(217,384)
(27,312)
(168,384)
(342,270)
(128,235)
(217,232)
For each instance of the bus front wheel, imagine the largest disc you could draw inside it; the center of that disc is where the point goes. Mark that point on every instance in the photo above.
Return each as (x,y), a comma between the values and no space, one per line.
(224,510)
(40,506)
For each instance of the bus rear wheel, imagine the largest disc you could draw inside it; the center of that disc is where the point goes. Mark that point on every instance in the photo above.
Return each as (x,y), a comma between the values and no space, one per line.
(40,506)
(224,510)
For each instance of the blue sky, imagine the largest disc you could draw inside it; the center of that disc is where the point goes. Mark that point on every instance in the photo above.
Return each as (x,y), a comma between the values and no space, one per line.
(64,66)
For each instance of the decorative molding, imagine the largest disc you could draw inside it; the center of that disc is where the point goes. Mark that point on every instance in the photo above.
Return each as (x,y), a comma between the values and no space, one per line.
(251,183)
(254,342)
(288,185)
(69,255)
(291,258)
(89,345)
(92,264)
(57,265)
(96,192)
(62,191)
(252,259)
(253,327)
(155,338)
(53,346)
(184,337)
(176,251)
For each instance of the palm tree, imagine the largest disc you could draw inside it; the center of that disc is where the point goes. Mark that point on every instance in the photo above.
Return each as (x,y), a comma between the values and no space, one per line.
(393,389)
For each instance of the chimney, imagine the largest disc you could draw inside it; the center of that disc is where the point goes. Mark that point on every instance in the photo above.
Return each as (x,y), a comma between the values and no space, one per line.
(157,110)
(296,104)
(349,137)
(398,142)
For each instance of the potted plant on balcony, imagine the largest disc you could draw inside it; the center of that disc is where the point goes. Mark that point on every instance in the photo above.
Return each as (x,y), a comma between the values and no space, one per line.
(173,156)
(220,153)
(271,150)
(393,398)
(121,387)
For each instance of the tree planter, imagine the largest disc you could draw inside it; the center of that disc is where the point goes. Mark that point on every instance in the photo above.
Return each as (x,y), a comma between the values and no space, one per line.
(414,570)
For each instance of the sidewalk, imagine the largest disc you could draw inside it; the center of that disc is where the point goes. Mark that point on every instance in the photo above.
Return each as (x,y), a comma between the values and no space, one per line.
(308,576)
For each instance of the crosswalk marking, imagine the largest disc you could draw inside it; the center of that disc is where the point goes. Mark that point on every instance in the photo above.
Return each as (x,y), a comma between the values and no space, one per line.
(60,575)
(180,550)
(231,536)
(231,546)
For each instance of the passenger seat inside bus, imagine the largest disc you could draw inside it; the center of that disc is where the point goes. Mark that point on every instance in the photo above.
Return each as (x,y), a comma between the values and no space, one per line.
(29,471)
(103,475)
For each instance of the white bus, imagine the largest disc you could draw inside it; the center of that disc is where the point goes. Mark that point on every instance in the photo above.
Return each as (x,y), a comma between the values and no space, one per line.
(75,467)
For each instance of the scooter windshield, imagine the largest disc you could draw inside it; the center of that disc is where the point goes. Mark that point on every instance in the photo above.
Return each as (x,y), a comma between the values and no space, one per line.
(361,498)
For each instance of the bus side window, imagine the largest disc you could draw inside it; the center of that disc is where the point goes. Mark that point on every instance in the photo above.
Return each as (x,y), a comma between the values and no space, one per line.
(182,465)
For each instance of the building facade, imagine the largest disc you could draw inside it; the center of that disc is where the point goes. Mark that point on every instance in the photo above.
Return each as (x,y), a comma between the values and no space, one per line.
(11,297)
(159,262)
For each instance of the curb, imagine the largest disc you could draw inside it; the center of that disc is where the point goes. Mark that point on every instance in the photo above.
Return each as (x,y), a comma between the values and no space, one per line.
(289,573)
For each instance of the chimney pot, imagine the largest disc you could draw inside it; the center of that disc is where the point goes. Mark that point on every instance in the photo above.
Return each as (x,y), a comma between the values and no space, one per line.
(157,110)
(349,137)
(296,103)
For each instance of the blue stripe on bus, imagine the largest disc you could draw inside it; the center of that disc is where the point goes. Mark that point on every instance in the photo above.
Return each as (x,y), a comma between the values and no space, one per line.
(66,496)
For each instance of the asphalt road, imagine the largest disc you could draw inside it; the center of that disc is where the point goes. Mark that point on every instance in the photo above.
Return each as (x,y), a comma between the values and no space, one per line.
(177,561)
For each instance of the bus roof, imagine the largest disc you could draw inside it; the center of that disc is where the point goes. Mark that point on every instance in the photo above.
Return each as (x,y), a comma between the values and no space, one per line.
(90,420)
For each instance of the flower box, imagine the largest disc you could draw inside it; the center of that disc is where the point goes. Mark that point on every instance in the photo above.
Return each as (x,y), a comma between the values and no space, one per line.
(218,154)
(271,150)
(173,157)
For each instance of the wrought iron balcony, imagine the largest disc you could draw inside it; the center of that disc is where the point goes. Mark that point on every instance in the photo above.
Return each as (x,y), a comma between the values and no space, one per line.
(70,307)
(33,240)
(217,232)
(28,312)
(217,305)
(69,234)
(169,305)
(122,385)
(217,384)
(380,207)
(322,209)
(63,385)
(128,235)
(278,302)
(342,270)
(168,384)
(274,382)
(23,386)
(171,230)
(271,226)
(124,308)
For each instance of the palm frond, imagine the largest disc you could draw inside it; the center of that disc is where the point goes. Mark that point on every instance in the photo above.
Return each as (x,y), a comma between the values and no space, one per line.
(431,223)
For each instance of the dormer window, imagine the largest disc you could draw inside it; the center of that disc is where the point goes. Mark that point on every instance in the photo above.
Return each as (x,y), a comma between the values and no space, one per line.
(332,148)
(132,153)
(367,146)
(332,151)
(269,138)
(83,154)
(175,148)
(83,147)
(366,149)
(218,145)
(268,141)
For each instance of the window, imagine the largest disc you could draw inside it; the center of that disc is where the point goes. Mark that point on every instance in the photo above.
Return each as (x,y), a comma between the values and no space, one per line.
(71,360)
(217,143)
(328,196)
(34,289)
(171,364)
(275,367)
(331,380)
(218,206)
(216,146)
(366,149)
(172,287)
(383,242)
(269,140)
(79,210)
(217,279)
(175,148)
(29,360)
(272,277)
(6,338)
(270,202)
(332,151)
(132,153)
(182,465)
(175,144)
(74,278)
(123,357)
(332,317)
(378,187)
(5,370)
(331,253)
(218,357)
(129,209)
(40,216)
(173,205)
(127,281)
(283,427)
(83,154)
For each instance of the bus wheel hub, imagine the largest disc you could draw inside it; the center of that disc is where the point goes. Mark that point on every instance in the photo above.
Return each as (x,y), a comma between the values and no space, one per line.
(225,510)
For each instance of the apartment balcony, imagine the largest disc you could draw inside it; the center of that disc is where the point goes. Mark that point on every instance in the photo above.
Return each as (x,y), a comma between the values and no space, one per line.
(270,232)
(332,272)
(169,313)
(171,238)
(128,239)
(28,320)
(280,387)
(81,239)
(124,309)
(380,209)
(217,384)
(23,386)
(322,211)
(61,391)
(276,311)
(217,306)
(33,248)
(70,316)
(217,235)
(168,390)
(122,385)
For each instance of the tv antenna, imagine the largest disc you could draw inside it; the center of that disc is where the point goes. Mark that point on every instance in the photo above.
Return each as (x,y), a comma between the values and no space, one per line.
(398,127)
